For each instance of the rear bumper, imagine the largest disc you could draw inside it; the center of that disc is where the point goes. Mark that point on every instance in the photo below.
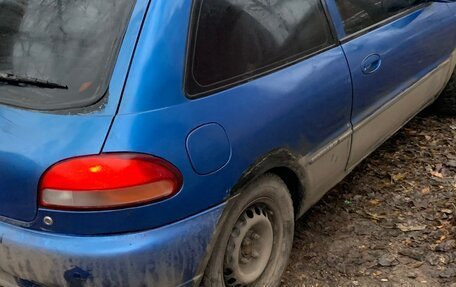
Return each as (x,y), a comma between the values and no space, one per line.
(168,256)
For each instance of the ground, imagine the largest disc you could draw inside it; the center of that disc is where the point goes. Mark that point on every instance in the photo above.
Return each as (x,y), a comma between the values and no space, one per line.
(391,222)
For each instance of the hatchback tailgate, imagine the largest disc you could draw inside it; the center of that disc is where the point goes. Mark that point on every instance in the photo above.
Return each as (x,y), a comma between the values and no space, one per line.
(32,141)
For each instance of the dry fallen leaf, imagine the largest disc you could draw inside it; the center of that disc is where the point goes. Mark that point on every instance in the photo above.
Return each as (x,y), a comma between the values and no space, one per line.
(374,202)
(408,228)
(374,216)
(397,177)
(436,174)
(451,163)
(441,239)
(426,190)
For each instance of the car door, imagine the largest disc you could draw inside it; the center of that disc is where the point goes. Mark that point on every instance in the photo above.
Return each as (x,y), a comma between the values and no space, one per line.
(398,52)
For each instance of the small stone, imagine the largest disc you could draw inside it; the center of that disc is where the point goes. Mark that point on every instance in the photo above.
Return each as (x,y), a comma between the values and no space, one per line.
(451,163)
(417,264)
(412,275)
(448,273)
(384,280)
(446,246)
(415,254)
(359,197)
(387,260)
(433,259)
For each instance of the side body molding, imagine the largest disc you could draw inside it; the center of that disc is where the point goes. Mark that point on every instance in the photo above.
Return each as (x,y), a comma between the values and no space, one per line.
(308,177)
(376,129)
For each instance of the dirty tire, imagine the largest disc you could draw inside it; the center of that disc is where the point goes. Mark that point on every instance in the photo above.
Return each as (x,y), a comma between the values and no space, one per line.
(445,105)
(246,254)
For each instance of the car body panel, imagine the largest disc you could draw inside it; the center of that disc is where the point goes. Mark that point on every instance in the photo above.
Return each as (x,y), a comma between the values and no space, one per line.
(27,150)
(160,257)
(407,49)
(32,141)
(296,117)
(335,18)
(382,124)
(208,148)
(452,7)
(174,117)
(263,102)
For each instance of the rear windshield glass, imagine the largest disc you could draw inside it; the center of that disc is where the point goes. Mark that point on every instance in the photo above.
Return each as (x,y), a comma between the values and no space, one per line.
(72,43)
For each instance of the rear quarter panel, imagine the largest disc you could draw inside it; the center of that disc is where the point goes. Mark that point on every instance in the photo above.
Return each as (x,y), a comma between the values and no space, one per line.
(301,107)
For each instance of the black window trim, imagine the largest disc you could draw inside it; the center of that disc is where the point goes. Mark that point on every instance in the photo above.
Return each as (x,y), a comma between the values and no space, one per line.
(383,23)
(190,51)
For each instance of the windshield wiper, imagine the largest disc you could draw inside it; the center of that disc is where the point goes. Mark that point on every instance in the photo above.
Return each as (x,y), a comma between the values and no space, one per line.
(20,81)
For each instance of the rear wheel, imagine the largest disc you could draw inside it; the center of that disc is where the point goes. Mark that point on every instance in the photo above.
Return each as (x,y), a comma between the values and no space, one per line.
(445,105)
(256,240)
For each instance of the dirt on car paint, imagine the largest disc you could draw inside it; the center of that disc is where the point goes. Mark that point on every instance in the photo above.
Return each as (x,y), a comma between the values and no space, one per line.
(391,222)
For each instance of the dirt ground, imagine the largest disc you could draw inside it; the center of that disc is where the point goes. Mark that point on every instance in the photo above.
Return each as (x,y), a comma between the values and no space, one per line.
(391,222)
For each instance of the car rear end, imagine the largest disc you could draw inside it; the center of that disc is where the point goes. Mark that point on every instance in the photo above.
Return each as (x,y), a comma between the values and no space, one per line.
(73,212)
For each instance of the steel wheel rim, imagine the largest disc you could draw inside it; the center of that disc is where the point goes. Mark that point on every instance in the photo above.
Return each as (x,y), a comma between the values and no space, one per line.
(249,247)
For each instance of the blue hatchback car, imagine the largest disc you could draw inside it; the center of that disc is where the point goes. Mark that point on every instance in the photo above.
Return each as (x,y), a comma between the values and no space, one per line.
(174,143)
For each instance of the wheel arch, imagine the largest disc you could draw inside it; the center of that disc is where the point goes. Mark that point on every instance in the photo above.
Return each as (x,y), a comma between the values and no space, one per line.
(280,162)
(283,163)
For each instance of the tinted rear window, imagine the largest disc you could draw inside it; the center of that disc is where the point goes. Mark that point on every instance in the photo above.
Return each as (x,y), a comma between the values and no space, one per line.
(69,42)
(236,39)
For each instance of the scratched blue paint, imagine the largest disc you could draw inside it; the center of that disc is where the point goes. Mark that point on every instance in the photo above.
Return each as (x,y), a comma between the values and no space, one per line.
(160,257)
(430,42)
(156,118)
(147,111)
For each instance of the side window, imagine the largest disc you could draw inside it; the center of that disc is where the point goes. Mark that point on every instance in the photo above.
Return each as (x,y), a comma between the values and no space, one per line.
(360,14)
(234,40)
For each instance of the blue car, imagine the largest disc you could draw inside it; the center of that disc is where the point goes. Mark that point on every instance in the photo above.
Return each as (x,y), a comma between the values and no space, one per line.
(175,143)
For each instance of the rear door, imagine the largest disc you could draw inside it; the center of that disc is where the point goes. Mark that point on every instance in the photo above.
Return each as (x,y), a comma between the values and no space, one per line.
(398,53)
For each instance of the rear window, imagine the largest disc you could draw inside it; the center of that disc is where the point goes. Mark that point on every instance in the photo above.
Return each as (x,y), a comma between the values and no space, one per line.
(72,43)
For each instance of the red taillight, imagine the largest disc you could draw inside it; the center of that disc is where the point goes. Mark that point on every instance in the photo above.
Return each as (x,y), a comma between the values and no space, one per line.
(108,181)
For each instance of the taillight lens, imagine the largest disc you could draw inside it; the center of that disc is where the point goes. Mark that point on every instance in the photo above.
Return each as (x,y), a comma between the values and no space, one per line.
(108,181)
